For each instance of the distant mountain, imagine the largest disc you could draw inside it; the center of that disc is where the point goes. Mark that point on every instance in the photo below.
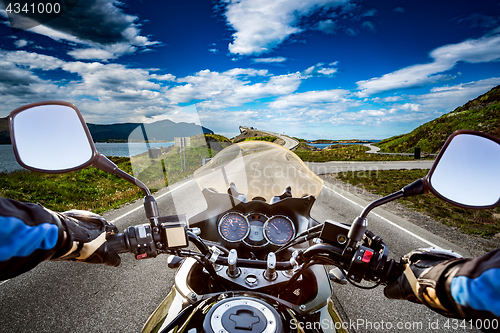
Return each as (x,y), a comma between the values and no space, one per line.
(164,130)
(4,131)
(480,114)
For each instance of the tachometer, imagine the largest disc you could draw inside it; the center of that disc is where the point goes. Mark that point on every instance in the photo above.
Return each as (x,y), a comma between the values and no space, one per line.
(279,230)
(233,227)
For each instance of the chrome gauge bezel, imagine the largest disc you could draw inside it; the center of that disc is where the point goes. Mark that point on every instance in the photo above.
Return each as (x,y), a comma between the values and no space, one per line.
(220,231)
(263,233)
(284,217)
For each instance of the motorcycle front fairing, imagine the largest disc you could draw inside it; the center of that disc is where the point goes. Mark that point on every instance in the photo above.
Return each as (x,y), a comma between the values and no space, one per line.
(263,187)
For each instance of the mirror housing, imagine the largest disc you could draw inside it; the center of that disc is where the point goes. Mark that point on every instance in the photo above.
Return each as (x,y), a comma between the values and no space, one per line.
(465,172)
(52,137)
(36,130)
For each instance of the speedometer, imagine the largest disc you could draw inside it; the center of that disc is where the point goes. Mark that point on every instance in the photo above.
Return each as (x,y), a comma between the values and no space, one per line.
(279,230)
(233,227)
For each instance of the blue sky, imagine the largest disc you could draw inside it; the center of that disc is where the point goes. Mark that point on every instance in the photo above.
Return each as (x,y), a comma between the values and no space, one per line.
(336,69)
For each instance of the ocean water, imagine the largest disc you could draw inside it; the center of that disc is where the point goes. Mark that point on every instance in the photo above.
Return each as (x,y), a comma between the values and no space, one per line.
(8,161)
(324,145)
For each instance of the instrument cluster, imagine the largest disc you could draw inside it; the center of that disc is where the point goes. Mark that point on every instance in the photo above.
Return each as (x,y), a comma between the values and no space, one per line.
(256,229)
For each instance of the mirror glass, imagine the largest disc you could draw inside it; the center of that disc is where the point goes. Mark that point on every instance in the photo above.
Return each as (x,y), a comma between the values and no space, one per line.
(51,138)
(467,172)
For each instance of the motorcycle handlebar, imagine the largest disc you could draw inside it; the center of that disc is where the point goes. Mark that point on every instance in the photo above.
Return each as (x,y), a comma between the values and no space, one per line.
(118,243)
(122,242)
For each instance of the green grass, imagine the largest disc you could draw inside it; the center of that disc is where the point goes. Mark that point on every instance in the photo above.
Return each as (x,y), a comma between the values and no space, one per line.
(88,189)
(346,153)
(385,182)
(267,138)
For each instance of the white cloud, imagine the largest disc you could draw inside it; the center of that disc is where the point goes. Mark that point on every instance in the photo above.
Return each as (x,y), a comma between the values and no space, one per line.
(327,71)
(231,88)
(369,26)
(109,93)
(165,77)
(417,109)
(20,43)
(103,53)
(369,12)
(447,98)
(262,25)
(485,49)
(269,60)
(311,99)
(320,69)
(31,60)
(328,26)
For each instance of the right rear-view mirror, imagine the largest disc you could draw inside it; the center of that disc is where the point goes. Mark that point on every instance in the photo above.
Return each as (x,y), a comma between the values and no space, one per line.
(465,172)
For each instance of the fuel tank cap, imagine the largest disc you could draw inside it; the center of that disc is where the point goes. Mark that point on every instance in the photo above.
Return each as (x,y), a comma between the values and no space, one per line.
(242,314)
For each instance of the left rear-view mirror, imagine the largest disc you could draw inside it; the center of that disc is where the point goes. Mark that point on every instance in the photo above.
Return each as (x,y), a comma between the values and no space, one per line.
(51,137)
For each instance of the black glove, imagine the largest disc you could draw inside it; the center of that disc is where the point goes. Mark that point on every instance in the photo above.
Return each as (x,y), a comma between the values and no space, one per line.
(424,279)
(85,241)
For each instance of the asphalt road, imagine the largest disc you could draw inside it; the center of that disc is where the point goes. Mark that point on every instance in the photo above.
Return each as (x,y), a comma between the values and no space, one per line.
(289,142)
(368,167)
(77,297)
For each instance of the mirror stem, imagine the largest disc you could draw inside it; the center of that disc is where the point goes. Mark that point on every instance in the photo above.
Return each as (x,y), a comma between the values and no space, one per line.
(358,227)
(381,201)
(104,164)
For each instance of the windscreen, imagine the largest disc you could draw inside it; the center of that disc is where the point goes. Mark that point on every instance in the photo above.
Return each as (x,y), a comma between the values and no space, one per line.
(258,169)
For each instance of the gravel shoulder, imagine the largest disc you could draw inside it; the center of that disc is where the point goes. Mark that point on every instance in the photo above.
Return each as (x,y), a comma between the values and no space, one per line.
(474,244)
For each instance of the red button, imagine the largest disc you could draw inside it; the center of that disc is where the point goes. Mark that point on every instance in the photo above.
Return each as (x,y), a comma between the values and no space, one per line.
(141,256)
(367,256)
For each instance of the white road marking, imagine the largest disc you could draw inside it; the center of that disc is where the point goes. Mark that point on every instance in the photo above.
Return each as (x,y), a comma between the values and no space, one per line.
(142,207)
(3,282)
(386,220)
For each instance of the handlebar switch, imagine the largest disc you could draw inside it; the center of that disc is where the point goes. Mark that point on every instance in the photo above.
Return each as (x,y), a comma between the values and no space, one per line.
(360,263)
(141,241)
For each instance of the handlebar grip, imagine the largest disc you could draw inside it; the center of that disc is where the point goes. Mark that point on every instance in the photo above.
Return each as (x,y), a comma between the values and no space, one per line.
(118,243)
(393,272)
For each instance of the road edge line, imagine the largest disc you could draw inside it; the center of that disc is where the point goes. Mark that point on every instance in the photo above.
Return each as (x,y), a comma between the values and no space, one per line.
(387,220)
(160,196)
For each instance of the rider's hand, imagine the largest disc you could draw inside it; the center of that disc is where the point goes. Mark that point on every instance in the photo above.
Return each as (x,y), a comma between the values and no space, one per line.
(86,234)
(425,279)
